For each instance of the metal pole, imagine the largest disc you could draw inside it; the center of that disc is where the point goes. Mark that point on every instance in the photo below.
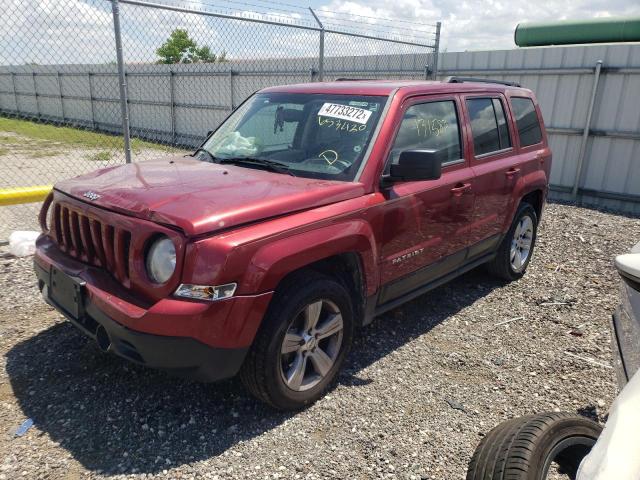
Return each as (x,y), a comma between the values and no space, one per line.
(321,52)
(585,133)
(15,92)
(61,97)
(172,97)
(93,113)
(436,51)
(115,8)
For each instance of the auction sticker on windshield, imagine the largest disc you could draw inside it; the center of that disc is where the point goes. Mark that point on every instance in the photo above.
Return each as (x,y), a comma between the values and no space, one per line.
(345,112)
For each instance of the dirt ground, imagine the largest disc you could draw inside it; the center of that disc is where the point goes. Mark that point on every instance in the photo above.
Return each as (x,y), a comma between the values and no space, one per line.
(421,386)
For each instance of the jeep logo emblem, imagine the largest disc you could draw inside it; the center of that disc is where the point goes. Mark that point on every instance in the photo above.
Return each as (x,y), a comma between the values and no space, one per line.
(91,195)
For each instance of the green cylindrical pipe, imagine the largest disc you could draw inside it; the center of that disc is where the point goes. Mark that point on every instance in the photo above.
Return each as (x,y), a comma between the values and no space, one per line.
(565,32)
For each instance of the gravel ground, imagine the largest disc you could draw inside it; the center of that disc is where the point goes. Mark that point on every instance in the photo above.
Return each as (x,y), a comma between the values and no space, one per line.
(421,385)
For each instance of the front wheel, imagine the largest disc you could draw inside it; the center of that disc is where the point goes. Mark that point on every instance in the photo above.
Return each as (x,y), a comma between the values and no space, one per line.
(302,342)
(515,251)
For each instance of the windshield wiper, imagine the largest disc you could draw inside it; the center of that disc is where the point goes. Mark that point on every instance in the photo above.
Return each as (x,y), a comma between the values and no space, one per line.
(207,154)
(272,165)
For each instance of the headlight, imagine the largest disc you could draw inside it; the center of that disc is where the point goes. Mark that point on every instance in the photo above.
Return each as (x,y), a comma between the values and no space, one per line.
(206,292)
(161,260)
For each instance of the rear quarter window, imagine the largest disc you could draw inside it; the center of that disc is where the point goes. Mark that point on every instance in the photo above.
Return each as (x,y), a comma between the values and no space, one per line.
(527,121)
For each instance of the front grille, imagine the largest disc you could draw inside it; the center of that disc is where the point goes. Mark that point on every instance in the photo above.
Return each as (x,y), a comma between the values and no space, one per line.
(92,241)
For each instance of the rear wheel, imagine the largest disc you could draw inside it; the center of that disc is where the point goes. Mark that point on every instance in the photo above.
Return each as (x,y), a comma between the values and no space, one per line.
(302,342)
(525,448)
(515,251)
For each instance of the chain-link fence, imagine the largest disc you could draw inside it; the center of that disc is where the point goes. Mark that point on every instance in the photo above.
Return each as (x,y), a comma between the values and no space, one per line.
(77,75)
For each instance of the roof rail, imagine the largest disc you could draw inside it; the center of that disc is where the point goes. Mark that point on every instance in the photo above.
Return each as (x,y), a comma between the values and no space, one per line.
(479,80)
(344,79)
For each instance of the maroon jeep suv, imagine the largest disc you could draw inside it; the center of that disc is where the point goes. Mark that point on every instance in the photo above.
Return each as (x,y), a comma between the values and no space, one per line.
(310,210)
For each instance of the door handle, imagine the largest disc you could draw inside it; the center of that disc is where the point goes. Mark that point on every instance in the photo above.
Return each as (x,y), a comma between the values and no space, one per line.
(460,188)
(512,172)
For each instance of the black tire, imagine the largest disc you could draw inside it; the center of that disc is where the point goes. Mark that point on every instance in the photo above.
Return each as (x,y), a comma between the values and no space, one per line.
(261,372)
(501,265)
(525,447)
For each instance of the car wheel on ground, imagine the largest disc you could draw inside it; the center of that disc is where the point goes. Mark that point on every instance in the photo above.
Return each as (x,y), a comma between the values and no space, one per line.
(525,448)
(301,343)
(515,251)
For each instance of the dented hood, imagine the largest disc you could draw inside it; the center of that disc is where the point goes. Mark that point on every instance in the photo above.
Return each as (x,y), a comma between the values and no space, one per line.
(200,197)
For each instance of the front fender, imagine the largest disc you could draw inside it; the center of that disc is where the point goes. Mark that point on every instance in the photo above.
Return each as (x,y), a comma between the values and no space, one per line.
(273,261)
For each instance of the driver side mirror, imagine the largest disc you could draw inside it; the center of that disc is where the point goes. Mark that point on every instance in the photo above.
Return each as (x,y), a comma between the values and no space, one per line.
(417,165)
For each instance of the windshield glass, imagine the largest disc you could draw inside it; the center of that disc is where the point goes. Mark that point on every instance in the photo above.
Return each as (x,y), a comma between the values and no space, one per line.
(310,135)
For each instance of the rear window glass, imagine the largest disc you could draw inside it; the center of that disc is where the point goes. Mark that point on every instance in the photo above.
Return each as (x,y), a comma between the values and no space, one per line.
(527,121)
(488,126)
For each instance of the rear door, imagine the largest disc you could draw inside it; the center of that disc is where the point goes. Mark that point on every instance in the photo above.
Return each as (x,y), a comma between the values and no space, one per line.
(495,165)
(423,220)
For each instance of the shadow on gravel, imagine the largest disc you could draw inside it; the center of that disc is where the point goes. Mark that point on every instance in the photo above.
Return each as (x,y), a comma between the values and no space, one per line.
(115,417)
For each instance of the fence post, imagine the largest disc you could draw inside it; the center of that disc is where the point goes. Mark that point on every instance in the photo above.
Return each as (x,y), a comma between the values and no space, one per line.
(35,93)
(231,99)
(115,8)
(321,51)
(436,50)
(585,133)
(172,97)
(61,98)
(15,92)
(93,113)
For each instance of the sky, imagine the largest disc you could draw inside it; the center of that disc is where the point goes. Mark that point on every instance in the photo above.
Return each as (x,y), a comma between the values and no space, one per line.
(481,24)
(81,31)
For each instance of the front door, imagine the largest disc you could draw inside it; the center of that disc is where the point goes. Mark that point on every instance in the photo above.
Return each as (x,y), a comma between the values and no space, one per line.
(424,221)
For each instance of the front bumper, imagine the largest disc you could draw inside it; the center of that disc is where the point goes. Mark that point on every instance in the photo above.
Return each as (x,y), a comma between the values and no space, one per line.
(206,341)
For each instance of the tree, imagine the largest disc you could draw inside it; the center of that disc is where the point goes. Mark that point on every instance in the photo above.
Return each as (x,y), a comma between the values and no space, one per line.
(180,48)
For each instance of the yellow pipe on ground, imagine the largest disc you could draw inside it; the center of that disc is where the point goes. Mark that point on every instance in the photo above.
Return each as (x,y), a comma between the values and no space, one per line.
(15,196)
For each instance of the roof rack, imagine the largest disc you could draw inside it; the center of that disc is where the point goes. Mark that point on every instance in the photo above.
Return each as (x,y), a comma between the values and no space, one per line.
(479,80)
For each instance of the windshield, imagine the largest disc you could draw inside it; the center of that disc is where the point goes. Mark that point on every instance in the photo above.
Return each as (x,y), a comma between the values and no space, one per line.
(309,135)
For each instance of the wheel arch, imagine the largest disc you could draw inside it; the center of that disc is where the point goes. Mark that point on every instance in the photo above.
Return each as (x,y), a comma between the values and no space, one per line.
(345,250)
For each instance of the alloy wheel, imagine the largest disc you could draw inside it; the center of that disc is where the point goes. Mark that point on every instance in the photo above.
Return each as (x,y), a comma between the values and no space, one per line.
(311,345)
(521,243)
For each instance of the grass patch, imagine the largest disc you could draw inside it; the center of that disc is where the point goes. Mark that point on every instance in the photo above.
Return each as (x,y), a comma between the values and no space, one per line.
(103,156)
(71,136)
(3,151)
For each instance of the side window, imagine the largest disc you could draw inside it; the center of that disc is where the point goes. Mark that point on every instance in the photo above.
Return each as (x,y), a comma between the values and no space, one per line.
(432,126)
(526,121)
(503,128)
(488,125)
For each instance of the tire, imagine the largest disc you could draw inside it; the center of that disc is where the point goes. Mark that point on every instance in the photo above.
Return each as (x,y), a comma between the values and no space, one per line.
(502,266)
(267,368)
(525,447)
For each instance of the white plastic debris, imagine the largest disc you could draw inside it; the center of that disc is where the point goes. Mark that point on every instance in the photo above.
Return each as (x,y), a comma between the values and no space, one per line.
(23,243)
(615,455)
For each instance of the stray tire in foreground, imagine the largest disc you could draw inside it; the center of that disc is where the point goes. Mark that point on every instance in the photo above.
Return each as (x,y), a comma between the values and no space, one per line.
(515,251)
(302,342)
(524,448)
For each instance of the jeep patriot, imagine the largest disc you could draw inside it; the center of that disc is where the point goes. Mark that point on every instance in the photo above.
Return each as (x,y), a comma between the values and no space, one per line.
(310,210)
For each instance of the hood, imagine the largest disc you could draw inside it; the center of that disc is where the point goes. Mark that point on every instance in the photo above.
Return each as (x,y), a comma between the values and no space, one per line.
(200,197)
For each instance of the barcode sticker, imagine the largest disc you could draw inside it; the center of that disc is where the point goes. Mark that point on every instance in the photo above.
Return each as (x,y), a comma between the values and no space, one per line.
(345,112)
